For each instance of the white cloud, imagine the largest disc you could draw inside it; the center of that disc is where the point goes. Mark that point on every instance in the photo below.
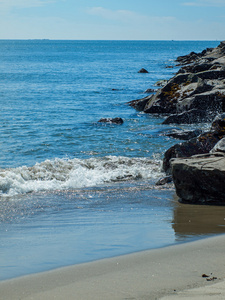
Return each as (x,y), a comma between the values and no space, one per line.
(215,3)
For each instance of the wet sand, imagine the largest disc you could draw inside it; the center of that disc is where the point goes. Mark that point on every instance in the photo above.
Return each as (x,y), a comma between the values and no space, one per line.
(153,274)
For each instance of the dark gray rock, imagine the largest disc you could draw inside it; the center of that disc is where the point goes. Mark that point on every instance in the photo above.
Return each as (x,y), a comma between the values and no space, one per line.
(142,70)
(218,125)
(118,121)
(190,117)
(140,104)
(202,144)
(199,85)
(200,179)
(184,134)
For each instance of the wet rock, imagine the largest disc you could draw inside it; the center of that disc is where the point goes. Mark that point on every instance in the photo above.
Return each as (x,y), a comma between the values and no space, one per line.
(184,134)
(164,180)
(118,121)
(142,70)
(200,179)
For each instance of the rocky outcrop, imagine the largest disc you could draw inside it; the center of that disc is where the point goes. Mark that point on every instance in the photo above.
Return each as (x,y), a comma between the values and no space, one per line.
(198,86)
(195,94)
(200,179)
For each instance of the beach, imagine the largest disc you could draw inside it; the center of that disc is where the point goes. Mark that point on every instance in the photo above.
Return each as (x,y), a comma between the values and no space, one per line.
(81,214)
(160,273)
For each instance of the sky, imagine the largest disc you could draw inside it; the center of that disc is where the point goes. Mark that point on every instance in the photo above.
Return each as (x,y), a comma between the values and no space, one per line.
(113,20)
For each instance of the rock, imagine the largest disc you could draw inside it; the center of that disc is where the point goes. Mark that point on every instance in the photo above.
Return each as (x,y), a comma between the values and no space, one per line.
(219,147)
(164,180)
(139,104)
(142,71)
(161,83)
(118,121)
(149,91)
(190,117)
(202,144)
(218,125)
(187,59)
(213,101)
(200,179)
(199,84)
(184,134)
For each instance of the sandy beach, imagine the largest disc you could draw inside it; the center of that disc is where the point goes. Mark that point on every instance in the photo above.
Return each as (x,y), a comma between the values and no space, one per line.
(173,272)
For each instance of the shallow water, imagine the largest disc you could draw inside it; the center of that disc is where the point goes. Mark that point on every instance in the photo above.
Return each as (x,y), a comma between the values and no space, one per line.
(74,190)
(48,230)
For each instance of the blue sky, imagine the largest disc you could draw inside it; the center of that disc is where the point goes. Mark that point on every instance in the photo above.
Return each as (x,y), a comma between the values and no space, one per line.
(113,20)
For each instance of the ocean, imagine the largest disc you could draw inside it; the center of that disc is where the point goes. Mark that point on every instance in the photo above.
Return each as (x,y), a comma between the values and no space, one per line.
(72,189)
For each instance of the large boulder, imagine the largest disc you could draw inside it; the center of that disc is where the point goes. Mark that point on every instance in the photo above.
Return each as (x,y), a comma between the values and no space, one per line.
(199,145)
(200,179)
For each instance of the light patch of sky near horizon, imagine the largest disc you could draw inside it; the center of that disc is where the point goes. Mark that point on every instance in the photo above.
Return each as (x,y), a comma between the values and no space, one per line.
(118,19)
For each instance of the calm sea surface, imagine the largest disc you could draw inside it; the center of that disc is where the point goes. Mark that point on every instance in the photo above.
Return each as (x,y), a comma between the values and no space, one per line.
(72,189)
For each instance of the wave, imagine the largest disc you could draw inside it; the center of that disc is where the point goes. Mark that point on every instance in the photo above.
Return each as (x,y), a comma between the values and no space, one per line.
(63,174)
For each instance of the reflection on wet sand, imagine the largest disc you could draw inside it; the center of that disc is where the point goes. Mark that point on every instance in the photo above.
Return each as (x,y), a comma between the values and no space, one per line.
(197,219)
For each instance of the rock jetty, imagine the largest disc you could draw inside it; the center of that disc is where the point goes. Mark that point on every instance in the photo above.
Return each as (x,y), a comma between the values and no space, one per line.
(194,95)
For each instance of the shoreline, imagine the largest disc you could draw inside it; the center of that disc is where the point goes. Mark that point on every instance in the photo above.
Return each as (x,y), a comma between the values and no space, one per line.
(150,274)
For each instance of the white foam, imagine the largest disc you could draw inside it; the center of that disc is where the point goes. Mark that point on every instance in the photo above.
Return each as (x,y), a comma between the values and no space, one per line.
(61,174)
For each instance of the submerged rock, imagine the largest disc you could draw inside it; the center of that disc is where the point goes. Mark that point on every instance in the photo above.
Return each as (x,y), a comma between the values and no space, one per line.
(200,179)
(118,121)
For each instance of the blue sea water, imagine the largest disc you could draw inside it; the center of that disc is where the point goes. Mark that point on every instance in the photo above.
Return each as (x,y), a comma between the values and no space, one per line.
(73,189)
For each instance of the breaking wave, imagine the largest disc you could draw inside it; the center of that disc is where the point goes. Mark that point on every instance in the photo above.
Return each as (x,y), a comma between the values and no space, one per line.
(63,174)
